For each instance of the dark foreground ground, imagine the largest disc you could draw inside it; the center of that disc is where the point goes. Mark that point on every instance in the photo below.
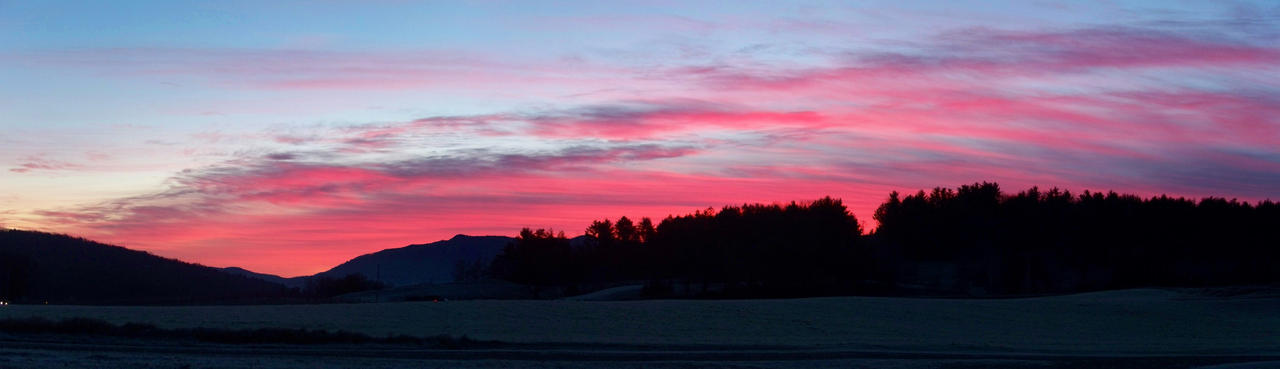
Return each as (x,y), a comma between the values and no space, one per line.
(1217,329)
(53,354)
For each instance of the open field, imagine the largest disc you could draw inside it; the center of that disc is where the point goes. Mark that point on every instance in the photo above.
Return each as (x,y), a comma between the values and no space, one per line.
(843,330)
(163,356)
(1133,321)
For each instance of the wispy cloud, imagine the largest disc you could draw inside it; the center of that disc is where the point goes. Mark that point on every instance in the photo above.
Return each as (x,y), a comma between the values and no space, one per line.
(275,69)
(41,163)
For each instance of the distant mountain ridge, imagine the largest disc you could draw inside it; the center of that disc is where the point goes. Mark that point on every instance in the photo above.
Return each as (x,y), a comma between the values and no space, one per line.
(433,262)
(422,263)
(38,267)
(295,282)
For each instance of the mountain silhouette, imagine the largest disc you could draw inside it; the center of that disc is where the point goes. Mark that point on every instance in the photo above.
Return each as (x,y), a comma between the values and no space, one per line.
(423,263)
(294,282)
(38,267)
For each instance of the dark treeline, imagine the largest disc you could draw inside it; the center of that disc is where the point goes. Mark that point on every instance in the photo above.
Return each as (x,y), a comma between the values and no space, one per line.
(973,240)
(325,286)
(791,250)
(977,239)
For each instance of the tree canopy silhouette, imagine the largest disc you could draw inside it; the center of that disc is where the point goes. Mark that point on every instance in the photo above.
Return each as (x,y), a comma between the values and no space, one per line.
(971,240)
(773,249)
(1052,241)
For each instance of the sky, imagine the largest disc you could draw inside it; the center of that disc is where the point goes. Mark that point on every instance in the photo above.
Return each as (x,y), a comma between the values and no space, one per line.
(287,137)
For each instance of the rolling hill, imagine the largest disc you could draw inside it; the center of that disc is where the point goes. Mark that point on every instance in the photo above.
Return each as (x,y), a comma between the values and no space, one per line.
(38,267)
(424,263)
(294,282)
(430,263)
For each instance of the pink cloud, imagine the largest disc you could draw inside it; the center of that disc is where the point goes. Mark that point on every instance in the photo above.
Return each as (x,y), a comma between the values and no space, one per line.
(965,60)
(38,163)
(350,207)
(1121,48)
(648,121)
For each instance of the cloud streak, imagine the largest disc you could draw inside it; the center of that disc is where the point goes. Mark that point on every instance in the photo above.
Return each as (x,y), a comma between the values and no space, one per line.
(40,163)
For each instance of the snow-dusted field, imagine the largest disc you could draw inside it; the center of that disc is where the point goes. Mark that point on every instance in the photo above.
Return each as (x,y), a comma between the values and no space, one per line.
(1143,322)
